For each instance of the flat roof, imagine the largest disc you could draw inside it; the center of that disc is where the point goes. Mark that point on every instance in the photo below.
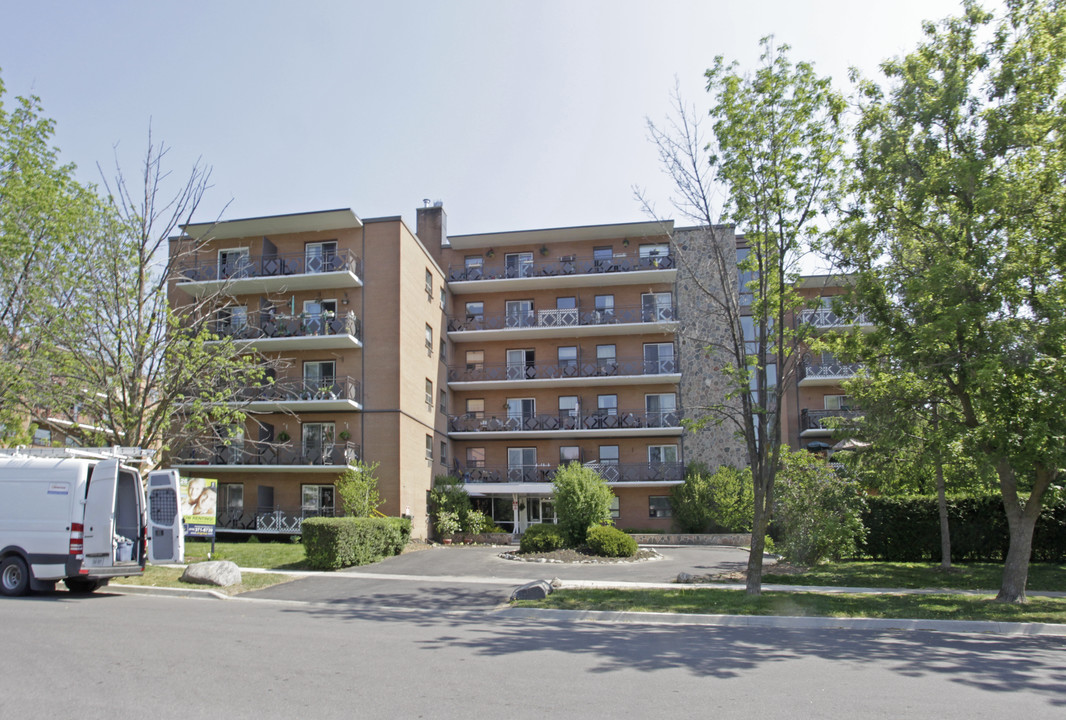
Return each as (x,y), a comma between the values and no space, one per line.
(340,219)
(564,234)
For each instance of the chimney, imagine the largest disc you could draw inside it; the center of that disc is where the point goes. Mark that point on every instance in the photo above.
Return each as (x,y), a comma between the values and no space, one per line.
(431,225)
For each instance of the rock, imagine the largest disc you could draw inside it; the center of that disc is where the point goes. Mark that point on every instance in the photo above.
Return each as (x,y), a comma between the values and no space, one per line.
(556,583)
(221,573)
(536,590)
(684,577)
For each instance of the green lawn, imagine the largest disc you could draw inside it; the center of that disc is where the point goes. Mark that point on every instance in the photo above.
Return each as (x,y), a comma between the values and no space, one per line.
(155,576)
(969,576)
(266,555)
(718,601)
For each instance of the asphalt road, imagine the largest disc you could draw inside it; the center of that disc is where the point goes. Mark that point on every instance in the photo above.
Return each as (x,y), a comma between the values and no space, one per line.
(130,656)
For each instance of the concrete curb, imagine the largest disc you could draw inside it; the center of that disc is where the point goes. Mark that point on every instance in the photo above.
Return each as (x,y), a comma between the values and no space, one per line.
(166,592)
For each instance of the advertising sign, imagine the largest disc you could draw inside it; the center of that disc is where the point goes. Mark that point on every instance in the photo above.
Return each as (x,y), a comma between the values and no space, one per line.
(199,497)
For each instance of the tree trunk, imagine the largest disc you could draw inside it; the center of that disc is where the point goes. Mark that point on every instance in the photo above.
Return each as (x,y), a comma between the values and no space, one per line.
(753,586)
(941,496)
(1016,567)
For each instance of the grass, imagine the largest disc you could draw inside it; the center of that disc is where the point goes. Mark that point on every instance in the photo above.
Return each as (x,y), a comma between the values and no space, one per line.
(969,576)
(719,601)
(156,576)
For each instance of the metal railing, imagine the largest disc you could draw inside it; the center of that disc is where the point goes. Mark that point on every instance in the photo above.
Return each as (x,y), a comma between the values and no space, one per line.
(594,420)
(611,472)
(268,519)
(570,317)
(270,325)
(295,389)
(815,419)
(250,452)
(829,371)
(276,265)
(825,318)
(530,371)
(496,269)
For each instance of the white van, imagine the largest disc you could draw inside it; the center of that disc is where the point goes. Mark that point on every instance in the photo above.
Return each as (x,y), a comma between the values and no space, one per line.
(82,521)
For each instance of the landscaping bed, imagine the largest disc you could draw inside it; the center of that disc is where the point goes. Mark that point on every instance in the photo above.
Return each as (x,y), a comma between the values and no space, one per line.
(579,556)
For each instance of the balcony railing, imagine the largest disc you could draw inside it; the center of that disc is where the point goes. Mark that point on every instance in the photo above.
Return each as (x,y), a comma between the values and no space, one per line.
(269,519)
(596,420)
(270,325)
(816,419)
(829,371)
(825,319)
(277,265)
(272,453)
(296,389)
(611,472)
(571,317)
(482,372)
(564,265)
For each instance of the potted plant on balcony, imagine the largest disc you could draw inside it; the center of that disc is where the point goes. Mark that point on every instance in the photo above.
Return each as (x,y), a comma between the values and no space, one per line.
(543,249)
(345,435)
(283,437)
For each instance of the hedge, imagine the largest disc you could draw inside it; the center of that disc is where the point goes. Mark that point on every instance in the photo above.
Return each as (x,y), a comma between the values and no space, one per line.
(544,537)
(607,541)
(907,529)
(332,543)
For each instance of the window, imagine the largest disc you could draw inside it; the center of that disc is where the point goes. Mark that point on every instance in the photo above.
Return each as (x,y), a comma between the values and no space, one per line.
(604,303)
(662,454)
(661,409)
(317,500)
(568,405)
(521,464)
(429,340)
(607,404)
(615,508)
(475,360)
(443,402)
(320,256)
(657,307)
(659,506)
(838,402)
(475,457)
(744,276)
(602,257)
(443,452)
(568,358)
(232,319)
(659,358)
(566,303)
(519,265)
(443,350)
(429,285)
(475,407)
(521,364)
(429,394)
(429,447)
(233,263)
(654,255)
(474,265)
(317,316)
(230,502)
(606,357)
(319,373)
(318,439)
(442,297)
(42,437)
(609,454)
(475,311)
(569,454)
(521,409)
(519,313)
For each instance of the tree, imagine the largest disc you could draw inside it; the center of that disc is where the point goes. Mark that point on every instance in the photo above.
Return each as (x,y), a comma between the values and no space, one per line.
(713,502)
(358,489)
(956,238)
(778,155)
(49,225)
(582,499)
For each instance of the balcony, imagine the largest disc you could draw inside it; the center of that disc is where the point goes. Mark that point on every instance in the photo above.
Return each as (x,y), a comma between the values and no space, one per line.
(624,371)
(273,519)
(665,472)
(825,319)
(826,374)
(629,320)
(294,332)
(337,394)
(626,268)
(286,457)
(599,423)
(284,272)
(813,422)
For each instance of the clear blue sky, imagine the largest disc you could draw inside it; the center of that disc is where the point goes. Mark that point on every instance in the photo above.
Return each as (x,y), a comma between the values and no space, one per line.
(516,114)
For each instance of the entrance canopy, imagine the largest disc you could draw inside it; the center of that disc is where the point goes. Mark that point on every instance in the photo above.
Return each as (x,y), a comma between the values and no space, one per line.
(482,489)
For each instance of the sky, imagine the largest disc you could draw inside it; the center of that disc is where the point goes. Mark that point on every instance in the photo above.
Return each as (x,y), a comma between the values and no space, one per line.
(516,115)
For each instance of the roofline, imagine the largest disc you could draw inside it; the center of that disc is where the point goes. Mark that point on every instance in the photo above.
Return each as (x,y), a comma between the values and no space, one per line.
(651,228)
(288,222)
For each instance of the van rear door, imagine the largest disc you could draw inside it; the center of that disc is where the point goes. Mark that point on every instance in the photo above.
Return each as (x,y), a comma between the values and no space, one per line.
(100,515)
(166,539)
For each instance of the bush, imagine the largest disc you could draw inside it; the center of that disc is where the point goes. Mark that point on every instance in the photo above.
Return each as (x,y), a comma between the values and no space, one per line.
(542,538)
(447,523)
(817,512)
(358,490)
(449,495)
(607,541)
(582,499)
(476,522)
(907,529)
(332,543)
(722,501)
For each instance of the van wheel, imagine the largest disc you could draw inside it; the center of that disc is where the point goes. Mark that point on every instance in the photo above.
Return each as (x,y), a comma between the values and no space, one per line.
(14,576)
(81,585)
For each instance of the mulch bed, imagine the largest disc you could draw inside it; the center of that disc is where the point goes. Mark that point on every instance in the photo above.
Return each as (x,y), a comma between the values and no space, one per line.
(579,556)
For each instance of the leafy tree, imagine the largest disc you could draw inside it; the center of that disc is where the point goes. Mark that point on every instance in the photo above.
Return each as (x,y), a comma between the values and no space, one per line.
(778,153)
(358,489)
(957,241)
(582,499)
(448,496)
(713,502)
(817,511)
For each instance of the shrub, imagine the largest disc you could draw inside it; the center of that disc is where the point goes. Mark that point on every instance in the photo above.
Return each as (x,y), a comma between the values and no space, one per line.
(608,541)
(582,499)
(358,489)
(448,495)
(476,522)
(722,501)
(817,511)
(447,523)
(332,543)
(542,538)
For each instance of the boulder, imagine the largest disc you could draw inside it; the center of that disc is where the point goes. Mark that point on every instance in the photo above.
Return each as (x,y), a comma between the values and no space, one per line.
(536,590)
(684,577)
(221,573)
